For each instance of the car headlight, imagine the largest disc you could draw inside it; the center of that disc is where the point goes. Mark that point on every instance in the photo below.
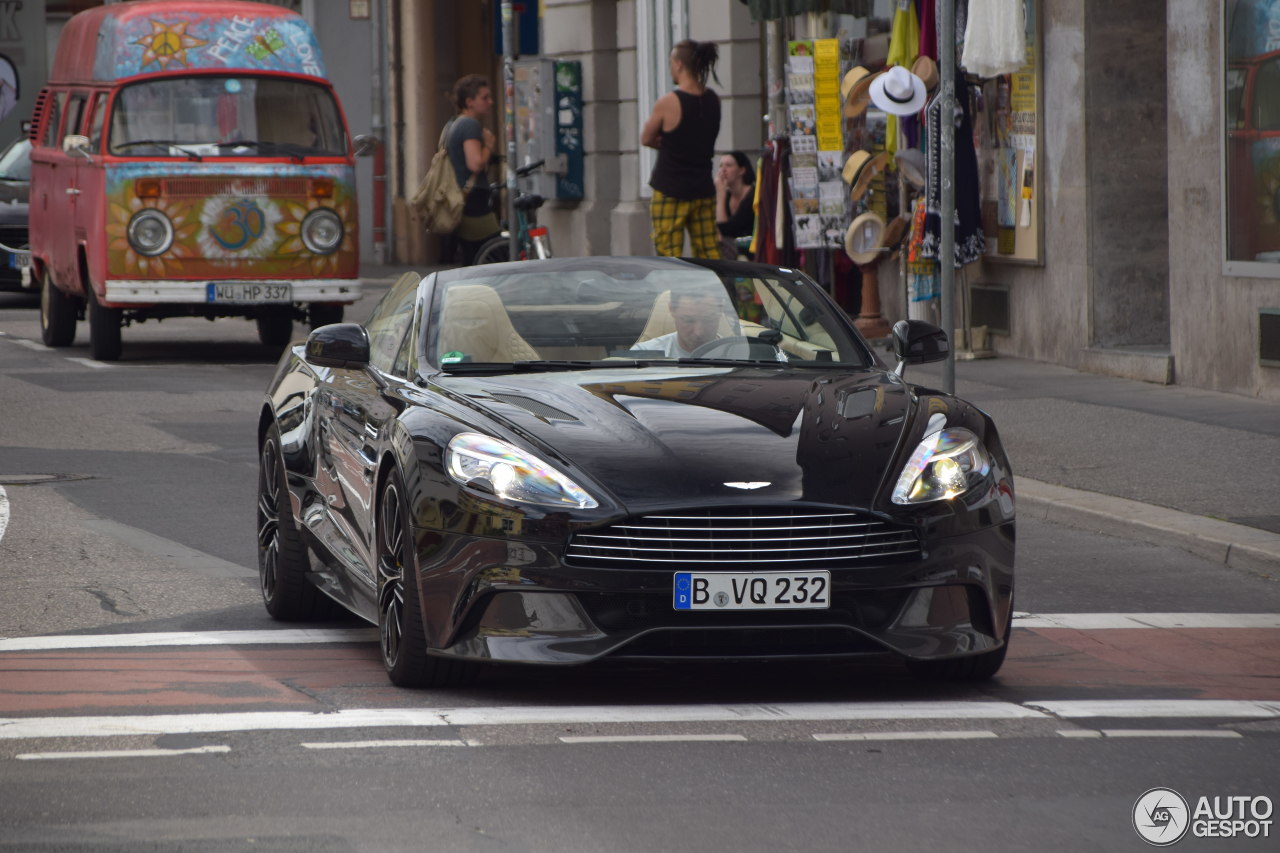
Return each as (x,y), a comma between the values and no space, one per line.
(944,464)
(150,232)
(511,473)
(322,231)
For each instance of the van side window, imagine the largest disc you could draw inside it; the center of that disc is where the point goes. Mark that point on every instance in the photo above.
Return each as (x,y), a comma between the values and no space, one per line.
(95,126)
(51,138)
(75,110)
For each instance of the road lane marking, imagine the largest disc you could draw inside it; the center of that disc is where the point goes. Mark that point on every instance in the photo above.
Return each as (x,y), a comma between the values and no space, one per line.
(4,511)
(123,753)
(31,345)
(651,738)
(88,362)
(1108,621)
(377,744)
(109,726)
(287,636)
(1171,708)
(1075,621)
(935,735)
(1102,733)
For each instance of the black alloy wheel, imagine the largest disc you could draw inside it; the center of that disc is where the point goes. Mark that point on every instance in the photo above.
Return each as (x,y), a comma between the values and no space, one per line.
(402,634)
(57,314)
(104,330)
(282,556)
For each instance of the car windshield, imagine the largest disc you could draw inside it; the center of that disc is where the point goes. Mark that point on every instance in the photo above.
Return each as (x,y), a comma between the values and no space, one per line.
(604,312)
(226,117)
(15,162)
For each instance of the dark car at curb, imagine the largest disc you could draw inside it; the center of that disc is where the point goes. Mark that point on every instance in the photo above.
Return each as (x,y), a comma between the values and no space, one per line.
(15,189)
(525,463)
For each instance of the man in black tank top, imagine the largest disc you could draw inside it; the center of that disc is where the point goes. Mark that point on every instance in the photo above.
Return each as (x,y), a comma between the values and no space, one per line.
(683,128)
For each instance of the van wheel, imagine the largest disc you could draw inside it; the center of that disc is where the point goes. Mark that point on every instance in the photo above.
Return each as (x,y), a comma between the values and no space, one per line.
(104,330)
(275,325)
(324,313)
(57,314)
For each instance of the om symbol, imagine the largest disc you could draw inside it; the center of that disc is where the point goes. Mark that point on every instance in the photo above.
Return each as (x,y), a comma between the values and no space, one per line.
(239,224)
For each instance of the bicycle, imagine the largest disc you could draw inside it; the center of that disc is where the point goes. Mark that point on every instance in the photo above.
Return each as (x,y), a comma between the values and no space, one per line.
(532,239)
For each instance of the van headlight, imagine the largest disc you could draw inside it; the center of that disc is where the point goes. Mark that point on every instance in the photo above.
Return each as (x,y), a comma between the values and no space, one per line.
(511,473)
(322,231)
(945,464)
(150,232)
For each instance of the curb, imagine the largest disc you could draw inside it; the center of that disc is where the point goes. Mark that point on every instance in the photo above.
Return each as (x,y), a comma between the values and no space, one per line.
(1233,545)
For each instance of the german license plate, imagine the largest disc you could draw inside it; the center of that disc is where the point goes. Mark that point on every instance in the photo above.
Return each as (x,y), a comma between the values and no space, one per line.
(248,291)
(752,590)
(20,260)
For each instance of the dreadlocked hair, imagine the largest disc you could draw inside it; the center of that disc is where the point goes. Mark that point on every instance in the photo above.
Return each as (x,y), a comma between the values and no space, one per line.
(700,58)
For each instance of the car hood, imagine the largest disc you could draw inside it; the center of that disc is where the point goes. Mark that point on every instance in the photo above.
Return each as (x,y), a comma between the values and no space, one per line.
(659,437)
(14,194)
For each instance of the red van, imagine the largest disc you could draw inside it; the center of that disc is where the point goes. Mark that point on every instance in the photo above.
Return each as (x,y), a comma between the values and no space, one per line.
(190,159)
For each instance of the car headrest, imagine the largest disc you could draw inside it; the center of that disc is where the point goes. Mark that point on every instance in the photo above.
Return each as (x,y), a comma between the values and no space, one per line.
(475,323)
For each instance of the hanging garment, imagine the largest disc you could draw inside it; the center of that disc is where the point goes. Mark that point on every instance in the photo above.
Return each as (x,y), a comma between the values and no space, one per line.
(904,46)
(994,37)
(971,242)
(928,29)
(922,273)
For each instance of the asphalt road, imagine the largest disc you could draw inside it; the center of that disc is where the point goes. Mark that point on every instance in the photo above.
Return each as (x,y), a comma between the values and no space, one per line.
(128,506)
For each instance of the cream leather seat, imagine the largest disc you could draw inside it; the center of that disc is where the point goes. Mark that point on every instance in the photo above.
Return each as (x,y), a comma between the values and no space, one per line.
(475,323)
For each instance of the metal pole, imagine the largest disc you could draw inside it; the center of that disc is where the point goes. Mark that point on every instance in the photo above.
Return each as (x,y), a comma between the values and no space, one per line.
(378,127)
(773,52)
(509,102)
(946,12)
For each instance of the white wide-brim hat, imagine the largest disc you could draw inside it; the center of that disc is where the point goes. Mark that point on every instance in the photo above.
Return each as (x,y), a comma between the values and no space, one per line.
(898,91)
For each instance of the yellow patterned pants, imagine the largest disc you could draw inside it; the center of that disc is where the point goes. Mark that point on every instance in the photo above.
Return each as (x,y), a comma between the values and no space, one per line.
(671,216)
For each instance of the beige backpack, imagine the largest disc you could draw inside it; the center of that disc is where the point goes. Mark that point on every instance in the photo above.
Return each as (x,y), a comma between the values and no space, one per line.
(439,200)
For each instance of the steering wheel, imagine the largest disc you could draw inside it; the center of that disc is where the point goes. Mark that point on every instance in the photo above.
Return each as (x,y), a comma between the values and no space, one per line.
(726,344)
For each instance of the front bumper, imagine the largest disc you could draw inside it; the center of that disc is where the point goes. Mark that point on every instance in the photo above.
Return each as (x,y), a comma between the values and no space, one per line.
(157,292)
(951,602)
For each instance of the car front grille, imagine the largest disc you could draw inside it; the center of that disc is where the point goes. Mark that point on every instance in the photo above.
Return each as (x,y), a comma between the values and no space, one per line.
(744,538)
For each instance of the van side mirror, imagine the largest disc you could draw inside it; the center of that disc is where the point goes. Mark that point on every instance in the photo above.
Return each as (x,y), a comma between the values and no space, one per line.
(76,145)
(365,143)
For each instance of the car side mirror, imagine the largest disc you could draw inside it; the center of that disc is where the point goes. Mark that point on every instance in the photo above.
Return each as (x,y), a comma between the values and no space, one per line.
(339,345)
(364,144)
(76,145)
(918,342)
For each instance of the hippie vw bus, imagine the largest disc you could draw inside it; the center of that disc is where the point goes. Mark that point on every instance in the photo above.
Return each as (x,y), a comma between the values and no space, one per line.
(1253,131)
(190,159)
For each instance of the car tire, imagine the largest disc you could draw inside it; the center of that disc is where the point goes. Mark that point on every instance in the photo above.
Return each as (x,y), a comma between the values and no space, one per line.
(57,314)
(275,325)
(324,314)
(402,635)
(979,667)
(104,330)
(497,250)
(283,564)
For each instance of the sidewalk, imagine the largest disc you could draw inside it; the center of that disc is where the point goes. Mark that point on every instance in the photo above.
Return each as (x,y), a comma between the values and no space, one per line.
(1160,464)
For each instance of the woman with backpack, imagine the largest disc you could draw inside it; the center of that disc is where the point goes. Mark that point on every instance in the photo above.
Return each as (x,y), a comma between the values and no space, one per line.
(470,146)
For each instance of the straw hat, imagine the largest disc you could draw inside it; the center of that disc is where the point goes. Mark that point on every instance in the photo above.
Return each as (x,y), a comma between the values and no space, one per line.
(893,234)
(927,70)
(853,90)
(863,238)
(860,168)
(898,92)
(911,165)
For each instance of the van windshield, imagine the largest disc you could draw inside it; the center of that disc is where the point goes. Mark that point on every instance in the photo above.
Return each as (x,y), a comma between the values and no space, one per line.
(208,116)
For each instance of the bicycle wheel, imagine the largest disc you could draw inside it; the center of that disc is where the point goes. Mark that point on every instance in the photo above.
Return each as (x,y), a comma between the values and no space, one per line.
(496,250)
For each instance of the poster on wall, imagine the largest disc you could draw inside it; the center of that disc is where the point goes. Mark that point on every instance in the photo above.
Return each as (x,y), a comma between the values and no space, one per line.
(1008,130)
(814,123)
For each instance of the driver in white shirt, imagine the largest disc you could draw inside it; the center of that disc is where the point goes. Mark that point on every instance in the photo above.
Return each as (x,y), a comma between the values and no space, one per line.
(698,318)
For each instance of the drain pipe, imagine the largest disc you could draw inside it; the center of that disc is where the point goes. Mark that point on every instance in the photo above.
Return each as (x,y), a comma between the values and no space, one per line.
(377,25)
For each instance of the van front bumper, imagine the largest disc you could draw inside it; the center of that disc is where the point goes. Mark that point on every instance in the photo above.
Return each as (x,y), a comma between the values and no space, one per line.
(153,291)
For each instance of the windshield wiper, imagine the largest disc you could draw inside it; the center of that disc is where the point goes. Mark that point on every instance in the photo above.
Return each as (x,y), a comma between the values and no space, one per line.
(537,366)
(160,143)
(263,147)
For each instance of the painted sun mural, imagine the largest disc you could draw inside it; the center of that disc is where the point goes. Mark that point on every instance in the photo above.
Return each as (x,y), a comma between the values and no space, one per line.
(167,43)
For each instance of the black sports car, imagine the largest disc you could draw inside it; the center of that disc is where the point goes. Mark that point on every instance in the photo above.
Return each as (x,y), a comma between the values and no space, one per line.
(556,461)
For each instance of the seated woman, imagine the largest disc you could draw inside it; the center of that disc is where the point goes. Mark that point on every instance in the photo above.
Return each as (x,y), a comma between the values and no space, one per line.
(735,192)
